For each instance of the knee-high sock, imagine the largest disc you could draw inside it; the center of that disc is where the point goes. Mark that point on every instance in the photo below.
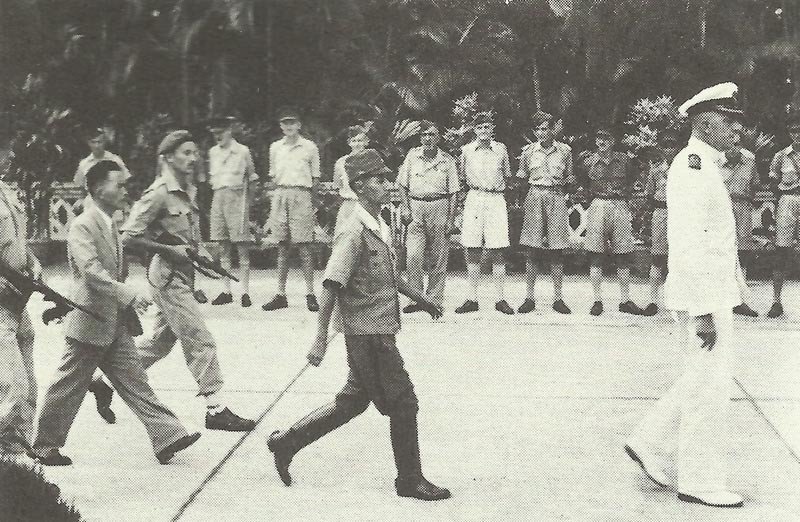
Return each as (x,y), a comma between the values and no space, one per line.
(499,276)
(474,275)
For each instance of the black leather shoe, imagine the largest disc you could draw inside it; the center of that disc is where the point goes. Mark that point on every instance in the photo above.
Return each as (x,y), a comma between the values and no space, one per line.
(166,454)
(745,310)
(420,488)
(200,297)
(629,307)
(283,457)
(527,306)
(278,302)
(226,420)
(468,306)
(411,308)
(503,307)
(775,311)
(52,458)
(246,302)
(103,394)
(222,299)
(650,310)
(311,303)
(561,307)
(597,308)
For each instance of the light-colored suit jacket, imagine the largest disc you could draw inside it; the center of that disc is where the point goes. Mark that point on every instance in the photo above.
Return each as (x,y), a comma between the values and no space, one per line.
(97,276)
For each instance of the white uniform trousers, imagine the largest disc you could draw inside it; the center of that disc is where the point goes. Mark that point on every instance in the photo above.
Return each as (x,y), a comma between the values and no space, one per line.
(692,417)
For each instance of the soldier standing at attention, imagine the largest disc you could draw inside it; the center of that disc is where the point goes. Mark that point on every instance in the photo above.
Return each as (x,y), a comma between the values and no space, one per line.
(168,208)
(785,171)
(294,165)
(740,176)
(609,179)
(485,167)
(232,176)
(361,279)
(690,422)
(428,181)
(547,168)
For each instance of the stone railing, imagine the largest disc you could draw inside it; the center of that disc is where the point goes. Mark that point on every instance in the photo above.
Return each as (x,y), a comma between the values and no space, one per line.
(66,195)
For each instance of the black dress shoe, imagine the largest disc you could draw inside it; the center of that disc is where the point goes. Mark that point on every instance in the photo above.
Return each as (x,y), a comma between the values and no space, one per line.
(597,308)
(311,303)
(468,306)
(226,420)
(200,297)
(629,307)
(503,307)
(650,310)
(745,310)
(246,302)
(222,299)
(561,307)
(775,311)
(52,458)
(103,394)
(420,488)
(527,306)
(411,308)
(283,457)
(166,454)
(278,302)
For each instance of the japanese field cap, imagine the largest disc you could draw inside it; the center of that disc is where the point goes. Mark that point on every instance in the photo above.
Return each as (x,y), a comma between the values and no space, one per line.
(173,140)
(220,122)
(365,164)
(719,98)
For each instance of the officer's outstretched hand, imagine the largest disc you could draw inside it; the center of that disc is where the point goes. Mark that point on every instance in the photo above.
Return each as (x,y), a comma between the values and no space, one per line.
(706,331)
(433,310)
(318,349)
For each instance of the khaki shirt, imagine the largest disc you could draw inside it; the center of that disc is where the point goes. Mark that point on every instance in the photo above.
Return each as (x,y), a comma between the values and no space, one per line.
(485,168)
(546,168)
(229,167)
(741,178)
(362,264)
(13,231)
(610,177)
(294,165)
(786,168)
(165,207)
(656,186)
(90,160)
(424,177)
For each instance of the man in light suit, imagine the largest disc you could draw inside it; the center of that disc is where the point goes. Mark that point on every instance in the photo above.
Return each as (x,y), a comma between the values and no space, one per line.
(95,256)
(703,286)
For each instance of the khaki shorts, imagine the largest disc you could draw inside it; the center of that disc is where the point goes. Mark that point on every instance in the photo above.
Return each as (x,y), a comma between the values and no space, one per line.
(546,220)
(658,229)
(485,220)
(292,215)
(228,216)
(743,214)
(786,220)
(609,222)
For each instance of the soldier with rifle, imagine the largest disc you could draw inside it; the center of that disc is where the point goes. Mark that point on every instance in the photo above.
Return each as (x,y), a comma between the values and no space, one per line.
(165,222)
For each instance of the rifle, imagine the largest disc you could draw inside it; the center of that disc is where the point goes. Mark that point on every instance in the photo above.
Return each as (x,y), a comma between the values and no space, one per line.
(27,285)
(210,269)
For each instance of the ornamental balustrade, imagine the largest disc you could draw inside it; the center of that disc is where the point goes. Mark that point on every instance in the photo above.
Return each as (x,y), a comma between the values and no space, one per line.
(66,195)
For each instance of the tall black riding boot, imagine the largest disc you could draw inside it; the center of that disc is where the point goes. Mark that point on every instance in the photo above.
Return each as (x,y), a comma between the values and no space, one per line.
(405,442)
(285,444)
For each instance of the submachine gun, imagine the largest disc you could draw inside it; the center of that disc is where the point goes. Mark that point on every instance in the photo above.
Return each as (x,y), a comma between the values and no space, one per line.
(210,269)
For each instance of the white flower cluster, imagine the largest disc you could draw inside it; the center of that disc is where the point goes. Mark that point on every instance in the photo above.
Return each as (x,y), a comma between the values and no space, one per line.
(647,118)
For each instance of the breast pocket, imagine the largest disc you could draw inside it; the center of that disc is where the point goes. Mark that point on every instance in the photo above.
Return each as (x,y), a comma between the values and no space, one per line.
(176,220)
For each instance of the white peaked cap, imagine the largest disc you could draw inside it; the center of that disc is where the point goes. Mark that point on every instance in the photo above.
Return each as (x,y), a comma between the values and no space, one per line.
(718,98)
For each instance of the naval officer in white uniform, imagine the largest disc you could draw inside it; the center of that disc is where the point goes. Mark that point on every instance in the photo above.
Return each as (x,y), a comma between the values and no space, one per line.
(689,423)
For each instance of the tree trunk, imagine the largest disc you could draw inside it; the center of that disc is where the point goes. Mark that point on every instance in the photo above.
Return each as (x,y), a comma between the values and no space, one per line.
(185,91)
(219,98)
(537,86)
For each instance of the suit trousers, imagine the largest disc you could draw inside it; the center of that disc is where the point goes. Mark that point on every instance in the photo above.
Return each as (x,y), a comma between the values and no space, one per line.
(17,379)
(179,318)
(692,418)
(120,363)
(428,233)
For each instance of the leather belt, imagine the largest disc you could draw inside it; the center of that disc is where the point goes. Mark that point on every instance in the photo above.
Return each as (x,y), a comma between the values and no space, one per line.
(488,191)
(549,188)
(435,197)
(297,187)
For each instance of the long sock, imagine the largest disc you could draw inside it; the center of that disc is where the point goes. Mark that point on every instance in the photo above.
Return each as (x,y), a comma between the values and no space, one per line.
(530,272)
(499,276)
(624,275)
(214,403)
(244,269)
(283,269)
(557,272)
(596,275)
(655,283)
(474,275)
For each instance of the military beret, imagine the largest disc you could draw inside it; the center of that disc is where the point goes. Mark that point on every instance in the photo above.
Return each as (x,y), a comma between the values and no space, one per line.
(173,140)
(482,118)
(717,98)
(220,122)
(365,164)
(288,113)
